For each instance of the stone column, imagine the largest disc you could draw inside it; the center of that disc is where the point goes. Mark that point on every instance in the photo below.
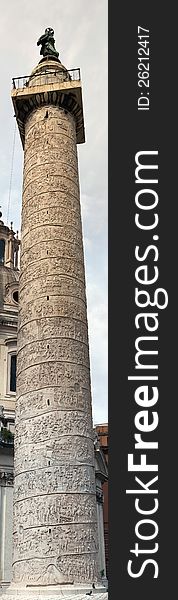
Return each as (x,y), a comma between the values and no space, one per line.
(55,525)
(55,517)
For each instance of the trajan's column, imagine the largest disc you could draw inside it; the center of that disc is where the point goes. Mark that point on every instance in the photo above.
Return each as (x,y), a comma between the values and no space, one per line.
(55,524)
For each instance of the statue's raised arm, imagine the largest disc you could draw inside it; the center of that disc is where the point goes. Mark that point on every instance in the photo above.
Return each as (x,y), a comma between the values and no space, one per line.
(47,41)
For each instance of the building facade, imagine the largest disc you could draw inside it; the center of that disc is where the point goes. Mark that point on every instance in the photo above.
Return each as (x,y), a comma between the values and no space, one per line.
(102,433)
(9,278)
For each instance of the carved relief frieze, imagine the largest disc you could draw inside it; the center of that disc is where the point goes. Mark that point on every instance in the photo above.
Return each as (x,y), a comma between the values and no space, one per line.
(61,479)
(53,327)
(56,540)
(51,232)
(47,171)
(52,374)
(56,451)
(56,199)
(53,398)
(59,306)
(55,517)
(57,156)
(56,350)
(60,248)
(51,425)
(63,145)
(63,183)
(66,216)
(37,125)
(76,508)
(82,568)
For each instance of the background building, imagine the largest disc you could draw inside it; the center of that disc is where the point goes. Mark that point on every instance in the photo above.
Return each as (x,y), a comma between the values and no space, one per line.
(102,433)
(9,277)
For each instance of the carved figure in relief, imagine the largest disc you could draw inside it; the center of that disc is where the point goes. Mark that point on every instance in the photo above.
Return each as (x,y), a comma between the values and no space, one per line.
(53,575)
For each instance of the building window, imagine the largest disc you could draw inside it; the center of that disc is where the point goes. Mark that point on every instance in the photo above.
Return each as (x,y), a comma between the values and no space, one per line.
(12,378)
(15,296)
(2,251)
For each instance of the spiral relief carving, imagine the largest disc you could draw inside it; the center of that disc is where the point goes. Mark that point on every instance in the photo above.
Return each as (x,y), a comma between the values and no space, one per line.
(55,521)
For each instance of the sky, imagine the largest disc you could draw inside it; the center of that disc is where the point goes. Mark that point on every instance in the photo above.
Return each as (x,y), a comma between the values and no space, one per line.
(80,28)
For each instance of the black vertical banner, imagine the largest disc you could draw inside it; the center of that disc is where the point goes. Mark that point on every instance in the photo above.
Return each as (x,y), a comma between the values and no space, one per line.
(143,301)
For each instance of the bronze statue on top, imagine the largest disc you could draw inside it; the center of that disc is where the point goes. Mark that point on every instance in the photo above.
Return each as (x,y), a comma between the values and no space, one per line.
(47,42)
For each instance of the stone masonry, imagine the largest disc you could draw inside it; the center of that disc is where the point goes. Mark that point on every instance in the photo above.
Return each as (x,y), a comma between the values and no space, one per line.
(55,520)
(55,526)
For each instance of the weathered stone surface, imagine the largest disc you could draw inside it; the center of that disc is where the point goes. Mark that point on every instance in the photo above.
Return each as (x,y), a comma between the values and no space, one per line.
(64,232)
(58,593)
(58,306)
(61,422)
(55,521)
(57,265)
(66,478)
(69,540)
(52,398)
(53,374)
(46,328)
(40,351)
(80,508)
(62,248)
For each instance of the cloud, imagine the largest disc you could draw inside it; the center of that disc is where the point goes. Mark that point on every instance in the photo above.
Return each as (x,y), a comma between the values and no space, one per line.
(98,336)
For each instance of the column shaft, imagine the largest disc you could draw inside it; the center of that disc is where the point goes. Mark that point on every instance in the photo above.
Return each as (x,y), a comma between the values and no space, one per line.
(55,521)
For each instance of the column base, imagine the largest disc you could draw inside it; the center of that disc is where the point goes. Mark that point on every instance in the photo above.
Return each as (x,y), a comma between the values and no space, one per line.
(62,592)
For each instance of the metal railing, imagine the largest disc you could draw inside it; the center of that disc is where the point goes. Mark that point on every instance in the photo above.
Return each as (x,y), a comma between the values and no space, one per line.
(22,82)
